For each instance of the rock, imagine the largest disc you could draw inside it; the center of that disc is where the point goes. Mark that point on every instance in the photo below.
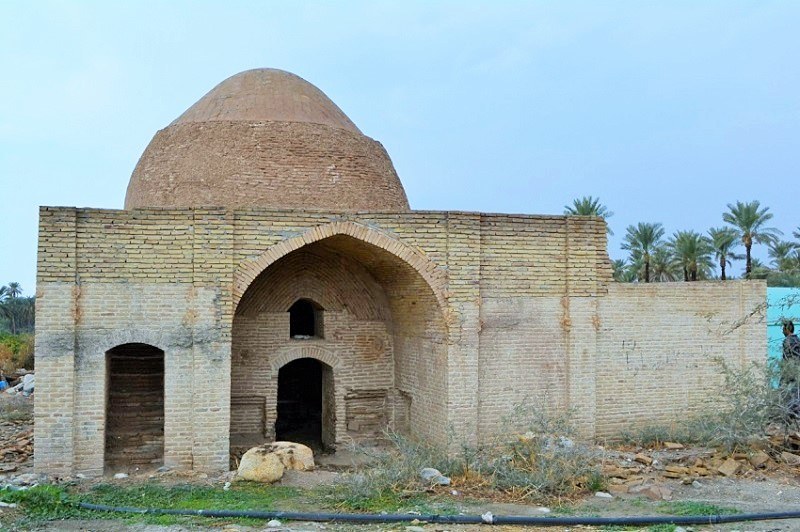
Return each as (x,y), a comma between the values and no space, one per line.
(434,476)
(28,383)
(643,459)
(653,492)
(415,528)
(618,489)
(603,495)
(274,523)
(120,476)
(7,504)
(730,467)
(618,472)
(790,458)
(26,479)
(293,455)
(676,471)
(260,465)
(672,446)
(759,459)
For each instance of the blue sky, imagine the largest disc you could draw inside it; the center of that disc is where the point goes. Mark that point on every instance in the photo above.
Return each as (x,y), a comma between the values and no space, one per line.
(666,110)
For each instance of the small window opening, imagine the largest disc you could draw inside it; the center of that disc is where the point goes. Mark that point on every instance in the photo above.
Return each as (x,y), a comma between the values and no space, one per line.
(305,320)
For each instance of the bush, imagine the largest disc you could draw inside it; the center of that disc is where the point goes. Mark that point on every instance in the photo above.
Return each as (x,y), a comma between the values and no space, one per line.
(16,351)
(539,461)
(753,402)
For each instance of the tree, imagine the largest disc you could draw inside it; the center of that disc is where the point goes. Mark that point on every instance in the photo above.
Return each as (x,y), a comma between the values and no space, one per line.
(782,254)
(619,269)
(692,252)
(18,311)
(589,206)
(13,290)
(724,240)
(662,265)
(641,240)
(748,219)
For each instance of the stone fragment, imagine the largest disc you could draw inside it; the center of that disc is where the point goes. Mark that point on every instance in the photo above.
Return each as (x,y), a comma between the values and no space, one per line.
(618,472)
(729,467)
(120,476)
(260,465)
(654,492)
(643,459)
(603,495)
(274,523)
(672,446)
(618,489)
(293,455)
(790,458)
(434,476)
(759,459)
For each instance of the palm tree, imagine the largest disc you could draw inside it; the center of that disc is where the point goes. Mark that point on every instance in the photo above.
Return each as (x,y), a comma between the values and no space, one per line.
(618,269)
(748,219)
(641,240)
(589,206)
(760,270)
(692,252)
(723,240)
(662,265)
(781,253)
(13,290)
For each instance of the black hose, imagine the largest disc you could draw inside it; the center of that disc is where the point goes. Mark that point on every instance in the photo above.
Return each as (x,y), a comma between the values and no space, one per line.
(458,519)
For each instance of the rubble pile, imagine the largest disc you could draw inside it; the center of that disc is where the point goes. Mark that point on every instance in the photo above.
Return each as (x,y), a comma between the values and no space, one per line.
(16,445)
(648,472)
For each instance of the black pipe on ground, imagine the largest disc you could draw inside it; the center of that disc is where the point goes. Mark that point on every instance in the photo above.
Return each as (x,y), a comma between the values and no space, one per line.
(488,519)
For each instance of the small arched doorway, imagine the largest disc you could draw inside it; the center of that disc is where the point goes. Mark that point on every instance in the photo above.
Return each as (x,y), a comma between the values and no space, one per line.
(134,407)
(306,404)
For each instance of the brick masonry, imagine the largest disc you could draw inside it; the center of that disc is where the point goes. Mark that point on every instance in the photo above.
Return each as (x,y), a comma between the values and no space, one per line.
(442,320)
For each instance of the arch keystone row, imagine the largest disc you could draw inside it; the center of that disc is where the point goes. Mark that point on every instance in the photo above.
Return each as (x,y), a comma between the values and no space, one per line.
(434,276)
(293,353)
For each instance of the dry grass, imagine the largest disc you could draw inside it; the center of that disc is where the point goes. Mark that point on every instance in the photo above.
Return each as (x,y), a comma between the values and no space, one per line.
(539,461)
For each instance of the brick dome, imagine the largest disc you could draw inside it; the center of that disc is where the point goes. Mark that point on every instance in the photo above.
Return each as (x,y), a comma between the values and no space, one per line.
(265,138)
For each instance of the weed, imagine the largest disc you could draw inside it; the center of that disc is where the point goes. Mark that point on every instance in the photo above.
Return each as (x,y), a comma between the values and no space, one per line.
(47,503)
(540,462)
(754,401)
(689,508)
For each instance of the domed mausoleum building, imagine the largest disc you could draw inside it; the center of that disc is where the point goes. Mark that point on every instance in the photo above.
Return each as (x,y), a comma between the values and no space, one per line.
(268,280)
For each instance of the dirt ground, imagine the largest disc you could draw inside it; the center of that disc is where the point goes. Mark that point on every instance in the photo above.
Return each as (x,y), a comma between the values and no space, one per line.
(773,487)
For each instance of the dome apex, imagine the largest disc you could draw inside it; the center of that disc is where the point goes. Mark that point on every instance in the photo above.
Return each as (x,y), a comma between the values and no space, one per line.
(267,95)
(265,138)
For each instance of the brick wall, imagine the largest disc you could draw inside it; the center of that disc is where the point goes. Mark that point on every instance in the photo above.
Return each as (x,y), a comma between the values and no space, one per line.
(455,317)
(657,345)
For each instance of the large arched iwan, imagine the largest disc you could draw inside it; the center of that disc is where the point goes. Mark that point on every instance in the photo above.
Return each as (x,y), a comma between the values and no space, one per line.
(134,436)
(383,321)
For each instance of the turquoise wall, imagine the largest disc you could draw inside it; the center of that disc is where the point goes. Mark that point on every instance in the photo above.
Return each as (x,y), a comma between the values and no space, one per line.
(782,303)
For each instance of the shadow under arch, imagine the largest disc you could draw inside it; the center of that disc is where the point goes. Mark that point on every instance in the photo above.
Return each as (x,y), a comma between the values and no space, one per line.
(384,304)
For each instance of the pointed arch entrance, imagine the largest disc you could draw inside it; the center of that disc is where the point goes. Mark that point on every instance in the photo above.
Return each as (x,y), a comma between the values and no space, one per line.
(383,320)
